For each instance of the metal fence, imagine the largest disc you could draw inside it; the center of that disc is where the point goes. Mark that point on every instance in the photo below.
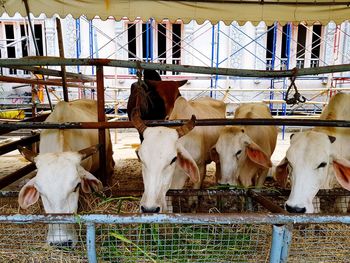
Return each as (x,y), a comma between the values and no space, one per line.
(230,226)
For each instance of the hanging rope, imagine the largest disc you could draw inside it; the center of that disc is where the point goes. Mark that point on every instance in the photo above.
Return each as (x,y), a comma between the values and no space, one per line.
(297,97)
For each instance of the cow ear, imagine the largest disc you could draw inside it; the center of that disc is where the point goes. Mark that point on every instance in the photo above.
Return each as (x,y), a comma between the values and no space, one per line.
(342,172)
(28,195)
(185,161)
(257,155)
(180,83)
(89,182)
(281,172)
(214,155)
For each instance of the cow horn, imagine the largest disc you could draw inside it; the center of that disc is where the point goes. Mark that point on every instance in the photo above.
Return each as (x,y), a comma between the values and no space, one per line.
(89,151)
(137,121)
(26,153)
(187,127)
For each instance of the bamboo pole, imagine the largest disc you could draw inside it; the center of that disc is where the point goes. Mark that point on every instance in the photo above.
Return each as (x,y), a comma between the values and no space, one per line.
(63,67)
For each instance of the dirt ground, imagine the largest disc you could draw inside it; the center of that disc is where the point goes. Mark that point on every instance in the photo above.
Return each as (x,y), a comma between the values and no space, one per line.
(127,169)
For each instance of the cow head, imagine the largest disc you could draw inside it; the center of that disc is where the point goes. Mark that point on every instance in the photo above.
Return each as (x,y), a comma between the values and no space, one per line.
(58,181)
(306,163)
(161,154)
(233,148)
(168,90)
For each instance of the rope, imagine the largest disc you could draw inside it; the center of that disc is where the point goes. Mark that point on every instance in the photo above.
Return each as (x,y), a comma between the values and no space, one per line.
(297,97)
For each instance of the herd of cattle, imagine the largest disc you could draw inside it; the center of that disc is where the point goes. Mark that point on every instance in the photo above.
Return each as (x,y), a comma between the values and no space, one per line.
(316,159)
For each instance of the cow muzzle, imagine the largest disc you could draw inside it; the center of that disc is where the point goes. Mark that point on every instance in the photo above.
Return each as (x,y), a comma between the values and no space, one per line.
(62,236)
(150,209)
(295,209)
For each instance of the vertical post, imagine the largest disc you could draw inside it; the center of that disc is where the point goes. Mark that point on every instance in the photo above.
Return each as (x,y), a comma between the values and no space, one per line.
(287,239)
(273,57)
(101,118)
(63,68)
(91,242)
(212,56)
(281,238)
(151,39)
(284,105)
(217,56)
(78,42)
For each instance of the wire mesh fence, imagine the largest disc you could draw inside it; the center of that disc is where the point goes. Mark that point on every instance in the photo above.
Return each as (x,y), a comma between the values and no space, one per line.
(187,237)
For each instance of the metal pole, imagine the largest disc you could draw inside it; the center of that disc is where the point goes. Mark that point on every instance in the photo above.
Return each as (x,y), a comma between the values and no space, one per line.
(91,242)
(217,57)
(273,62)
(101,118)
(173,123)
(61,50)
(78,41)
(13,145)
(13,177)
(284,105)
(287,239)
(212,57)
(276,244)
(52,61)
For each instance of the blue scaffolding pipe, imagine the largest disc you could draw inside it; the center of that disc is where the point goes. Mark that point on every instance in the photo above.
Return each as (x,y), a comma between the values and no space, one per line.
(91,45)
(150,39)
(147,43)
(212,57)
(217,56)
(287,54)
(273,57)
(252,40)
(78,41)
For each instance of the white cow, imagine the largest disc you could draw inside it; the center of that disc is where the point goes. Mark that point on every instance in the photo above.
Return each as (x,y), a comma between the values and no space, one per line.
(313,157)
(168,158)
(244,152)
(63,167)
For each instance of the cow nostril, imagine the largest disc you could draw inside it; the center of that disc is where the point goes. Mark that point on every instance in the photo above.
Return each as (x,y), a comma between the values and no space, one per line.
(157,210)
(62,245)
(295,209)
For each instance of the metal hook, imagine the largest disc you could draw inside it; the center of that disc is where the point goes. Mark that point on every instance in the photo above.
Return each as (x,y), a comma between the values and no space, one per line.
(297,97)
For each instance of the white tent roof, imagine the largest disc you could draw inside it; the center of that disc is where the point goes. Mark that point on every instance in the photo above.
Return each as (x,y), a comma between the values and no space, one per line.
(295,11)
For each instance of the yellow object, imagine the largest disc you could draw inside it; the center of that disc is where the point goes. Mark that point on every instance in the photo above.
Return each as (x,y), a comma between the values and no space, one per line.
(12,114)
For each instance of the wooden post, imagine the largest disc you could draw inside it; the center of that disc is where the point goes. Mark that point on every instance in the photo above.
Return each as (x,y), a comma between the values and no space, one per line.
(63,68)
(101,118)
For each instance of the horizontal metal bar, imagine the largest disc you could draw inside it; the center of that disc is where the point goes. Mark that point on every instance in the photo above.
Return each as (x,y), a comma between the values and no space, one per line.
(54,61)
(13,145)
(200,218)
(173,123)
(13,177)
(40,118)
(55,82)
(56,73)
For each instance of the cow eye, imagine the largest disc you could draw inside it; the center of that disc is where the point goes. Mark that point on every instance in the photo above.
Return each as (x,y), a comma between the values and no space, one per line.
(323,164)
(238,152)
(77,187)
(173,160)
